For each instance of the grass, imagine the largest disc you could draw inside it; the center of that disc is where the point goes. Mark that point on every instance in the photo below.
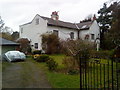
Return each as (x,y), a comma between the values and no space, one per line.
(60,80)
(96,78)
(59,59)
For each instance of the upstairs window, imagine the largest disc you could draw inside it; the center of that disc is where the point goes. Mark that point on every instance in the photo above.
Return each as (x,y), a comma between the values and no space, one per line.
(37,21)
(36,45)
(55,32)
(92,36)
(72,35)
(21,30)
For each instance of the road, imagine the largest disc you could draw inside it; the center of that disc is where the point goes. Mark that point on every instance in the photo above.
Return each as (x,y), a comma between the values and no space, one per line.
(25,74)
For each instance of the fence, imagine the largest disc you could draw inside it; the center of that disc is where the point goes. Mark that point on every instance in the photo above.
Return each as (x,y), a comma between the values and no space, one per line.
(100,74)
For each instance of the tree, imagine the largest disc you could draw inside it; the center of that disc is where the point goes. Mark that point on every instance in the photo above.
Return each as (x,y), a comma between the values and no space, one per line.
(78,49)
(105,21)
(3,28)
(15,35)
(113,36)
(1,24)
(6,36)
(50,43)
(24,45)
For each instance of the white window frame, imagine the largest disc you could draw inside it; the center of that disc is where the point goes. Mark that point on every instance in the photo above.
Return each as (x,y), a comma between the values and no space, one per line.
(21,30)
(36,45)
(72,36)
(92,36)
(56,32)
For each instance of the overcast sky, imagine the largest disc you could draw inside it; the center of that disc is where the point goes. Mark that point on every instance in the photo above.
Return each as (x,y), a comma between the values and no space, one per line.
(17,12)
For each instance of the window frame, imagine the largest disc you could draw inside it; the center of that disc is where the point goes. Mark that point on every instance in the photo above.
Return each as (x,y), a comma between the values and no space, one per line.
(56,32)
(37,21)
(72,35)
(36,45)
(92,36)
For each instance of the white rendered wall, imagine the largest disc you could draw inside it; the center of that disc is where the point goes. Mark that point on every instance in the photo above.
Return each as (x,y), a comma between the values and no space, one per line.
(33,31)
(94,29)
(63,33)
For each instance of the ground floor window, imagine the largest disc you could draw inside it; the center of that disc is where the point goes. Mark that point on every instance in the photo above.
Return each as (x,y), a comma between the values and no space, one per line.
(72,35)
(92,36)
(55,32)
(36,45)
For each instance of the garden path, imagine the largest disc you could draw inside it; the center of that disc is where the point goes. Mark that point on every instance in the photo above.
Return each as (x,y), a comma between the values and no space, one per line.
(25,74)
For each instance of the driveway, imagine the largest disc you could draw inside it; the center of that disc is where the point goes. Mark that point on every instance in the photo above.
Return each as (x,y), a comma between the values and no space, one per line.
(25,74)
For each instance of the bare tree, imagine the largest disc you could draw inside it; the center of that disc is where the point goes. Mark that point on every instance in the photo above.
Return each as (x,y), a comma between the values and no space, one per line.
(78,49)
(1,24)
(3,28)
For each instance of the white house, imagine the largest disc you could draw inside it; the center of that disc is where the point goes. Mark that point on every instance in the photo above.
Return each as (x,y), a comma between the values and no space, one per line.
(33,30)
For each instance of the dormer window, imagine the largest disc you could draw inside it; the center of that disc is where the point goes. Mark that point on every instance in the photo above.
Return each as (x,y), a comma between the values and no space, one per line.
(84,26)
(37,21)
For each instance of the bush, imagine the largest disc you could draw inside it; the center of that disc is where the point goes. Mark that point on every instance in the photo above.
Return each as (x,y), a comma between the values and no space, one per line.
(42,58)
(70,63)
(79,50)
(37,52)
(52,65)
(100,54)
(73,71)
(50,43)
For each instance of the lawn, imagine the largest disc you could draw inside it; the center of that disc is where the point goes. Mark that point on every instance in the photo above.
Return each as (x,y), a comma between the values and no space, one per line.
(61,80)
(96,76)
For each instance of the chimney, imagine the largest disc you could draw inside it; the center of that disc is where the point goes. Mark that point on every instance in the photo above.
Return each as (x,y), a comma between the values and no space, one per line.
(94,17)
(55,15)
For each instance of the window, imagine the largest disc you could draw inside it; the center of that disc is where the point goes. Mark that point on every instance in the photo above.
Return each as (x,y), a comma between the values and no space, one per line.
(92,36)
(84,26)
(36,45)
(21,30)
(55,32)
(72,35)
(87,37)
(37,21)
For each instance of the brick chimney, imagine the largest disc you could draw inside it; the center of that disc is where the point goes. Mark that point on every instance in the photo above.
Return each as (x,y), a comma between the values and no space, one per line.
(55,15)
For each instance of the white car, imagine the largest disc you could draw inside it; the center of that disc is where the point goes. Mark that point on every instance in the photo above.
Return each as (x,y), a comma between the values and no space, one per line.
(14,56)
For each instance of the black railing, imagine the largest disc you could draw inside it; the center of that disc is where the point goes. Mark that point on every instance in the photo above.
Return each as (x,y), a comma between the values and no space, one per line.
(101,74)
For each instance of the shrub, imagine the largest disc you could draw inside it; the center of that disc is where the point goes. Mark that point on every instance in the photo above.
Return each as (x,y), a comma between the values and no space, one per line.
(79,50)
(42,58)
(50,43)
(37,52)
(24,45)
(100,54)
(52,65)
(70,63)
(73,71)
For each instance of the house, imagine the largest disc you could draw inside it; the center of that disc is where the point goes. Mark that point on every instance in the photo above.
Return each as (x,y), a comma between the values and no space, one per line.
(7,45)
(86,30)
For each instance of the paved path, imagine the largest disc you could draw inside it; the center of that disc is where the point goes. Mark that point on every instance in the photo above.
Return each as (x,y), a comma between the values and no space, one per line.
(24,75)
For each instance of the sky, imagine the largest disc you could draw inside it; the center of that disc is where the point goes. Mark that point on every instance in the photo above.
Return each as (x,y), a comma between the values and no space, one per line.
(18,12)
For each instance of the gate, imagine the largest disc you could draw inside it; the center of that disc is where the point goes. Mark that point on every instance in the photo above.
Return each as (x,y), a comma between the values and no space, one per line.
(100,74)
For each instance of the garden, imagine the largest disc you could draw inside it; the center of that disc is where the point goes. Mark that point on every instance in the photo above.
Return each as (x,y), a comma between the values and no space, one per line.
(77,64)
(81,66)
